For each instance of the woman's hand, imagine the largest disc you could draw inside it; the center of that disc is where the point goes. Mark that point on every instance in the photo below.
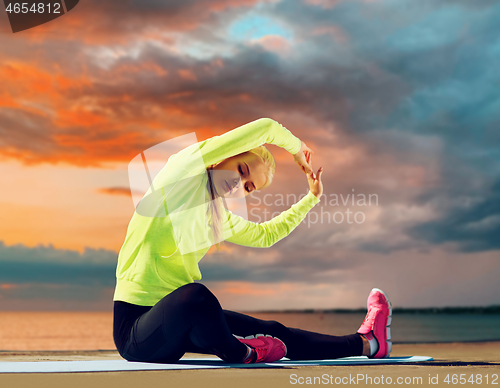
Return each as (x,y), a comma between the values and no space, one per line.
(303,157)
(315,184)
(314,180)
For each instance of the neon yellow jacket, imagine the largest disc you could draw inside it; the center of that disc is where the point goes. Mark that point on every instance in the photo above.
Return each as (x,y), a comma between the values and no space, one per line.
(150,263)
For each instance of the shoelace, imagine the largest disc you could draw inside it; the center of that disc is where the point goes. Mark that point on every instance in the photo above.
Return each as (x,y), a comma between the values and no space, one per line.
(370,316)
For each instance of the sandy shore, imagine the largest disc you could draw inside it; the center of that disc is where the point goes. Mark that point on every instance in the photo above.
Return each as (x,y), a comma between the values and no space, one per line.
(480,360)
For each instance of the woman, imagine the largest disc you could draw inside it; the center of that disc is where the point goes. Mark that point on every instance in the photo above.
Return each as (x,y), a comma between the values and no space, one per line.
(160,313)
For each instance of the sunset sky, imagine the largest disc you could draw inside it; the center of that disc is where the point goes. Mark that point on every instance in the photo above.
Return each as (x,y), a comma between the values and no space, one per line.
(399,99)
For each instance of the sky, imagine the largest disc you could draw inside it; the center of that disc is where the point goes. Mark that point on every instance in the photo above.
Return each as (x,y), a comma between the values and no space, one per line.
(398,100)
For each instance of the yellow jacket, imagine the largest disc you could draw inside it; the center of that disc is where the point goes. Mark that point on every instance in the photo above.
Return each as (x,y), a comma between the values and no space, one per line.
(161,254)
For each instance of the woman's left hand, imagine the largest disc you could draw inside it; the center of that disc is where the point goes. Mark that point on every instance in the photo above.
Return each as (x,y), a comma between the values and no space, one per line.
(303,157)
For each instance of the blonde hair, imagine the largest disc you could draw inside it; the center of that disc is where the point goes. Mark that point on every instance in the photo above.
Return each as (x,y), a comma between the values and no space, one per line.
(215,210)
(268,160)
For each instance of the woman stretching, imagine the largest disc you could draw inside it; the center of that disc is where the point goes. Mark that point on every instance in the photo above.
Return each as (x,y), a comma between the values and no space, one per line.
(160,313)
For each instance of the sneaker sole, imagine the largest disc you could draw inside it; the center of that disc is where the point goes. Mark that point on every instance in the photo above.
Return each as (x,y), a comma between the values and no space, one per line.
(388,322)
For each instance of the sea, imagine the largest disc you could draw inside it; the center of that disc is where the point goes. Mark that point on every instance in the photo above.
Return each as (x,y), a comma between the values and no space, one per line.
(93,330)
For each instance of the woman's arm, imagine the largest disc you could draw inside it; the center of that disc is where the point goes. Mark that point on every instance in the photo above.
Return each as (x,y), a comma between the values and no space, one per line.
(245,138)
(268,233)
(240,231)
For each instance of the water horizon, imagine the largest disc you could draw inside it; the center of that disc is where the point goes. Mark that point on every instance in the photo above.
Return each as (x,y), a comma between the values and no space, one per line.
(81,330)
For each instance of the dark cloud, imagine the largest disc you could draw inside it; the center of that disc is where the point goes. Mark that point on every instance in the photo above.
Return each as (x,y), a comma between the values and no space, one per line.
(46,265)
(43,272)
(473,223)
(45,278)
(111,22)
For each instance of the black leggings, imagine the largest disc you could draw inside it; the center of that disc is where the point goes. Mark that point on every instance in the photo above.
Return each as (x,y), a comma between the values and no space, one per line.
(190,319)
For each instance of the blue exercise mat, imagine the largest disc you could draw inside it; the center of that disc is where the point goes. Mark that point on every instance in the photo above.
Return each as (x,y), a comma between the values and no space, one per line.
(185,363)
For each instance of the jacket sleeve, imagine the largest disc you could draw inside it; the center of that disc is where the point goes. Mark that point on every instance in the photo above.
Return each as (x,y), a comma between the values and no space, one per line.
(245,138)
(268,233)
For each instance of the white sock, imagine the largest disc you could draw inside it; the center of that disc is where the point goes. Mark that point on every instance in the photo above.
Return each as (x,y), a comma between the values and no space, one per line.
(373,343)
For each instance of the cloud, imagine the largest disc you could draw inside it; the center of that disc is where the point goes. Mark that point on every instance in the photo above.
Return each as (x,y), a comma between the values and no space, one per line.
(473,222)
(131,93)
(115,191)
(46,265)
(45,278)
(98,23)
(150,95)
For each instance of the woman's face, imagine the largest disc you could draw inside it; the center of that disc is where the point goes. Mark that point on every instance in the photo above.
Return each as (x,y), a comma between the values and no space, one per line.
(239,175)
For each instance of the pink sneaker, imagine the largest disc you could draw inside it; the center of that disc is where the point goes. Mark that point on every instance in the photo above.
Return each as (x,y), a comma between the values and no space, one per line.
(267,348)
(378,321)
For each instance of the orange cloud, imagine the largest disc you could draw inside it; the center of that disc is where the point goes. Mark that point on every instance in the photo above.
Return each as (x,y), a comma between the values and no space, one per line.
(275,43)
(80,117)
(187,74)
(115,191)
(7,101)
(33,81)
(43,96)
